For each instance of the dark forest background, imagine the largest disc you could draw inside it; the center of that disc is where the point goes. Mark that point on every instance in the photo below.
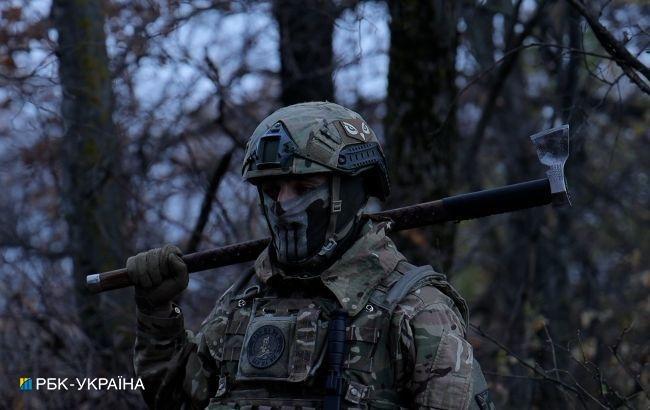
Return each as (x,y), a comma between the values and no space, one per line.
(123,123)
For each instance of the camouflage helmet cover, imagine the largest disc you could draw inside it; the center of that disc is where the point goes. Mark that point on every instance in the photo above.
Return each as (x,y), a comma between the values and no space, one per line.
(316,137)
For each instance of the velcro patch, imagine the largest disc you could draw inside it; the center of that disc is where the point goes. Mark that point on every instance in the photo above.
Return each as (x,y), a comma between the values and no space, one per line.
(356,128)
(484,400)
(265,347)
(356,392)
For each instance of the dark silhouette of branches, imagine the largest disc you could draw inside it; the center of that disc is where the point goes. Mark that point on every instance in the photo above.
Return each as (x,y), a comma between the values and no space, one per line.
(614,349)
(565,380)
(190,82)
(513,48)
(625,60)
(541,373)
(206,205)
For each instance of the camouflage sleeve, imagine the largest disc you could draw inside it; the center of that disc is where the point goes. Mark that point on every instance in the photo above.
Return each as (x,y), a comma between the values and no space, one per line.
(434,357)
(171,363)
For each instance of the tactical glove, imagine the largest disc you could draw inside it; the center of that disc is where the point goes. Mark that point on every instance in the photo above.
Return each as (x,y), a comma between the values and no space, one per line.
(159,275)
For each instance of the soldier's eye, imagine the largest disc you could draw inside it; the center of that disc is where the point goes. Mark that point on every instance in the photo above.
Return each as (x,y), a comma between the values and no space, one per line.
(307,186)
(272,190)
(303,189)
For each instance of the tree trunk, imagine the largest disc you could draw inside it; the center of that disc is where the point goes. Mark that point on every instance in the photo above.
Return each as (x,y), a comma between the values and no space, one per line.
(305,50)
(93,196)
(420,128)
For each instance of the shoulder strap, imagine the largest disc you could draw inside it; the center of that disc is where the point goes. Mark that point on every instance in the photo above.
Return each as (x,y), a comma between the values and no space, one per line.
(230,294)
(408,282)
(233,291)
(413,277)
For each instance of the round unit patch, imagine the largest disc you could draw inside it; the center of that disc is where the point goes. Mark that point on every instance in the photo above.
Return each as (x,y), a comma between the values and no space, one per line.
(265,346)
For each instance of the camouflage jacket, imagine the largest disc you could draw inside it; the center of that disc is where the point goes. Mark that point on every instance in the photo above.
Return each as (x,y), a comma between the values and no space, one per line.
(263,345)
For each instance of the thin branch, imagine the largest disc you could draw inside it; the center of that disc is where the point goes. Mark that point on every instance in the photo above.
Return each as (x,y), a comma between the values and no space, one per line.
(208,199)
(501,76)
(553,355)
(625,60)
(494,65)
(619,359)
(578,390)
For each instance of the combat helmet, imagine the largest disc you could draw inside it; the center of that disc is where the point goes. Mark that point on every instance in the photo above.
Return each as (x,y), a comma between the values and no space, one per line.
(319,137)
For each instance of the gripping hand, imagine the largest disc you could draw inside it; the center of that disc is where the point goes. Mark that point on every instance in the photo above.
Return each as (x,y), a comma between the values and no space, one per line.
(159,275)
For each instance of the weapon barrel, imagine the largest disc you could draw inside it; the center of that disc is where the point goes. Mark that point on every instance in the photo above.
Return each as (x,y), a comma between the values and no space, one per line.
(455,208)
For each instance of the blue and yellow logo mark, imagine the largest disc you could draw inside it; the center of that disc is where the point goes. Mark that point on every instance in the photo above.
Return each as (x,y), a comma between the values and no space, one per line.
(25,383)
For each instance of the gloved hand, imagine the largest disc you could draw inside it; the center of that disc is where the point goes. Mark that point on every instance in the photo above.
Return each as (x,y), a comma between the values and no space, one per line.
(159,275)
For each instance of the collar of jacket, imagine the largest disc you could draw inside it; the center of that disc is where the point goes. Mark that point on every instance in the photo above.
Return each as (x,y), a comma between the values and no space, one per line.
(358,271)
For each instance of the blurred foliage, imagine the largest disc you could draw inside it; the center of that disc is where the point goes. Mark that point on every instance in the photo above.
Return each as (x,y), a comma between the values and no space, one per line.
(564,291)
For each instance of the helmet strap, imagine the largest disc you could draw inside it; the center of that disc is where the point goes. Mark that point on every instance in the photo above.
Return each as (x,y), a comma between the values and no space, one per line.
(332,237)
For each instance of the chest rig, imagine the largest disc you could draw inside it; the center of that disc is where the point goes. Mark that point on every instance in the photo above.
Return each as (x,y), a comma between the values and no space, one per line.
(272,351)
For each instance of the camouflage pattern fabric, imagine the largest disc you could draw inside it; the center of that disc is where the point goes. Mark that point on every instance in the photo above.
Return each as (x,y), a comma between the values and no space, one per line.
(318,129)
(323,137)
(263,346)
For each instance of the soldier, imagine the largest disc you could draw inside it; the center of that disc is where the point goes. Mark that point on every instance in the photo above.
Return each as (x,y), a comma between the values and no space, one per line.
(331,315)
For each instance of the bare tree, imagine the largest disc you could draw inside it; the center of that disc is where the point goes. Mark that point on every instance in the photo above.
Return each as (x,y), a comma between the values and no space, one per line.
(305,30)
(191,80)
(92,196)
(420,142)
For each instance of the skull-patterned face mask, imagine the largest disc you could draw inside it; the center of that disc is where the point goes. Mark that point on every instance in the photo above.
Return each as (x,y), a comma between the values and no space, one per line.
(298,225)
